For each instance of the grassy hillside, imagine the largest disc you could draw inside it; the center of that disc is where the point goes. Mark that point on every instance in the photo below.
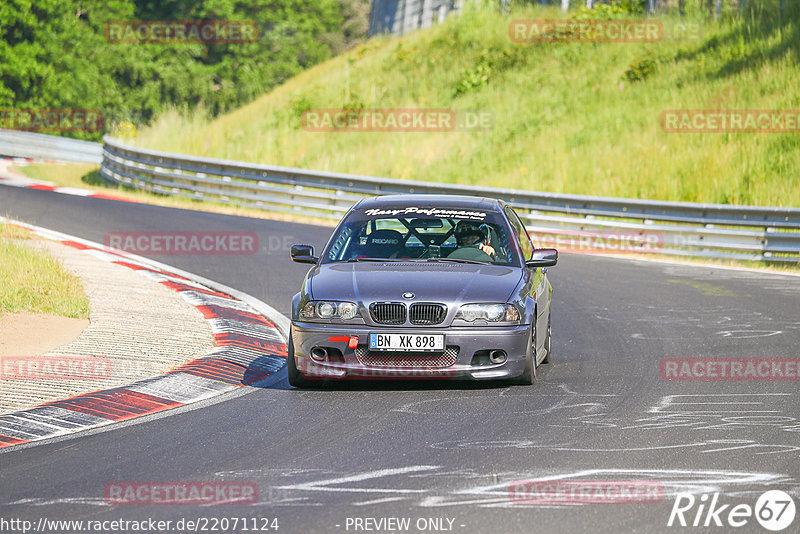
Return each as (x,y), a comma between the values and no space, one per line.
(577,117)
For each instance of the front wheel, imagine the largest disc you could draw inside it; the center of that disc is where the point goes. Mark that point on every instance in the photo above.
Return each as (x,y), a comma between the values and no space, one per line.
(295,378)
(529,375)
(546,358)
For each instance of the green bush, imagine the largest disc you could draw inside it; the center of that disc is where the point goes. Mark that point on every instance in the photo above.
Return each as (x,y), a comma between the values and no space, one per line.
(612,10)
(640,69)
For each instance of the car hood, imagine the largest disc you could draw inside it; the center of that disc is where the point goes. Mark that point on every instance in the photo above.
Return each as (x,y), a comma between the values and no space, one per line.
(449,283)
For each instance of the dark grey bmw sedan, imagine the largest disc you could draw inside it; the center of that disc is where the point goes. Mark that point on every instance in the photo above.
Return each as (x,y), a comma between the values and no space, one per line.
(423,286)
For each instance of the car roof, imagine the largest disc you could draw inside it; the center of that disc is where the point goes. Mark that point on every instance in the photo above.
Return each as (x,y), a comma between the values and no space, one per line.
(450,201)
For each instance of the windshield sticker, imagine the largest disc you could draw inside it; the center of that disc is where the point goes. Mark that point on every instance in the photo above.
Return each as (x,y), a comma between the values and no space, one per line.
(433,212)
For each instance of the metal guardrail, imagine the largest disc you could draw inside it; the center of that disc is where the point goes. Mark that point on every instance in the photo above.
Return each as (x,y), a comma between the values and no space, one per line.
(48,147)
(577,222)
(568,221)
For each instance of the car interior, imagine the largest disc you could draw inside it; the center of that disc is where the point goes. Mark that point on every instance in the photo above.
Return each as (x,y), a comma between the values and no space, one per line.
(410,238)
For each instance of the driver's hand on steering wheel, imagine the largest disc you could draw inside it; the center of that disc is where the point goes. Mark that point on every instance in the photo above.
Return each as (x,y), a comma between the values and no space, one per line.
(487,249)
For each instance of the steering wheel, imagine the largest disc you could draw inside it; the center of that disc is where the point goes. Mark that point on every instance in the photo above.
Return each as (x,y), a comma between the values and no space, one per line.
(487,239)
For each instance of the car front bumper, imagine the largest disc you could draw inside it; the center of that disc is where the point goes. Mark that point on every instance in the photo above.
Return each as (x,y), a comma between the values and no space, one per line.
(344,362)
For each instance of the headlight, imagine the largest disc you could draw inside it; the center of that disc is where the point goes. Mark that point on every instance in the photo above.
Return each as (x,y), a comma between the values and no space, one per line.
(494,313)
(326,310)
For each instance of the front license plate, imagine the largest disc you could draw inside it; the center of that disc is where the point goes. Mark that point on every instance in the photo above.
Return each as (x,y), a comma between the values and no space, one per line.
(409,342)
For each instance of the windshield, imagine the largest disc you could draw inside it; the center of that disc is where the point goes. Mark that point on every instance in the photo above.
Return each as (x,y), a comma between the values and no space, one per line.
(423,234)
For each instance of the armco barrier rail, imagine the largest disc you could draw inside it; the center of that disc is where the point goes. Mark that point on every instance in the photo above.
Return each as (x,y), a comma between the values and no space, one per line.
(48,147)
(572,221)
(575,222)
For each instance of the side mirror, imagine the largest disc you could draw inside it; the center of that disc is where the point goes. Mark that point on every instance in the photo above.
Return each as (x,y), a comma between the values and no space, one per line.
(303,254)
(543,257)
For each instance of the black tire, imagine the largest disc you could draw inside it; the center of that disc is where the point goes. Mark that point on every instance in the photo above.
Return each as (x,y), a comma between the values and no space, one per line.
(295,378)
(529,376)
(547,342)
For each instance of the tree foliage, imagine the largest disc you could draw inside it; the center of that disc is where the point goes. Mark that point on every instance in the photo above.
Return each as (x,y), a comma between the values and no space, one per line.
(54,54)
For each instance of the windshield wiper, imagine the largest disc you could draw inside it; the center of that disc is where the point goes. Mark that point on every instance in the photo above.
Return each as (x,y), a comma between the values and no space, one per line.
(457,260)
(418,260)
(353,260)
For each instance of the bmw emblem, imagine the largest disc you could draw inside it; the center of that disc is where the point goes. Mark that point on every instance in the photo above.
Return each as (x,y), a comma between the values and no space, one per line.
(408,295)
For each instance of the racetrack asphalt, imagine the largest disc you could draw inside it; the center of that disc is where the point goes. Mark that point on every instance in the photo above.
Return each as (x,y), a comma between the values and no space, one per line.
(601,411)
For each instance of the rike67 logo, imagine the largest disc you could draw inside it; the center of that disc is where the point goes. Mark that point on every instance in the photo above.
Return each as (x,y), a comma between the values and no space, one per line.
(774,510)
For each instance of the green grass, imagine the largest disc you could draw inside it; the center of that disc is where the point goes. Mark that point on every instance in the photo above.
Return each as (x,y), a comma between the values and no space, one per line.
(561,121)
(78,175)
(32,281)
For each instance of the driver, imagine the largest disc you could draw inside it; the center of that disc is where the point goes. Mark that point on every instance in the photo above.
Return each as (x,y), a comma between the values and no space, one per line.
(469,238)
